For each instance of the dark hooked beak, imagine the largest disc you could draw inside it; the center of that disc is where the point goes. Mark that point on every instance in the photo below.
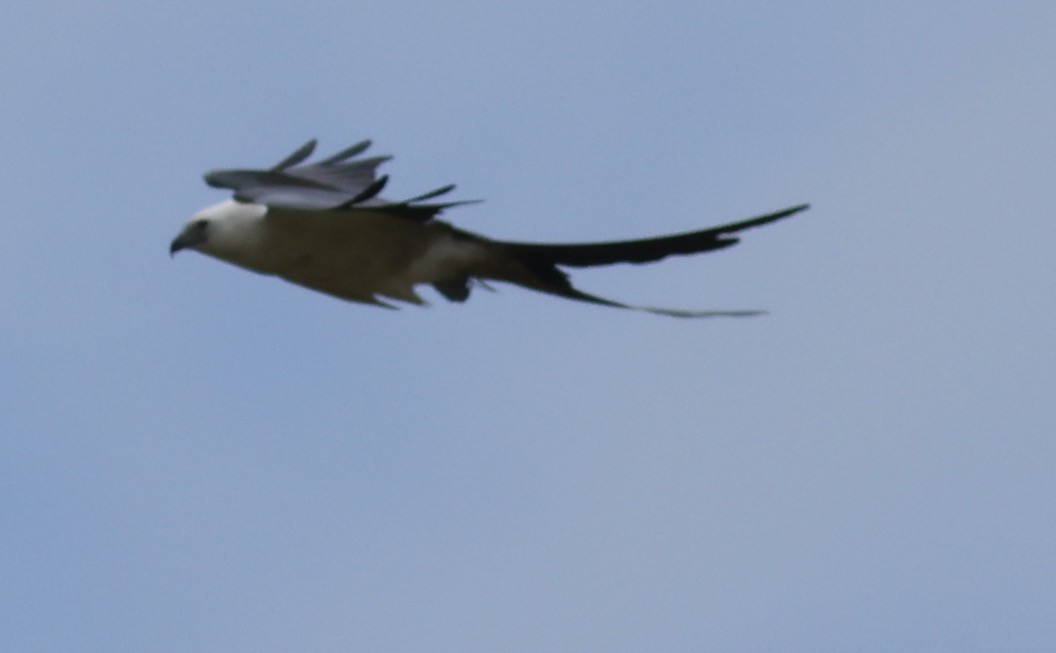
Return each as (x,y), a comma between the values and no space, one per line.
(192,236)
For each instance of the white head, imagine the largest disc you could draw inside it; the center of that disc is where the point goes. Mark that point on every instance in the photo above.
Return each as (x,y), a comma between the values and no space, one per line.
(225,230)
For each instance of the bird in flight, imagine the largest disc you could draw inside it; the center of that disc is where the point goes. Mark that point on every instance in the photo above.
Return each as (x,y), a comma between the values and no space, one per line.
(323,225)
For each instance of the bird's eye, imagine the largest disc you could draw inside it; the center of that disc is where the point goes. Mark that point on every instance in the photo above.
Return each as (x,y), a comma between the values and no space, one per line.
(200,225)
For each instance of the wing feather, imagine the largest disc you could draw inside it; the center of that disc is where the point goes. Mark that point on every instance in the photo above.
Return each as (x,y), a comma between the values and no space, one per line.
(339,182)
(300,154)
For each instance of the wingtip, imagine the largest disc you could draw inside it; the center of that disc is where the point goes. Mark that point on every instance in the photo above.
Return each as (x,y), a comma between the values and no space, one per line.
(367,193)
(347,153)
(298,155)
(443,190)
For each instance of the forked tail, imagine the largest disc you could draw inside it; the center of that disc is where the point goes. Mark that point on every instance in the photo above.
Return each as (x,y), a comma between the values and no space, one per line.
(543,259)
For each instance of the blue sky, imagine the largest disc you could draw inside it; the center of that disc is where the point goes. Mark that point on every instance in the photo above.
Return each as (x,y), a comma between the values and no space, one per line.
(193,457)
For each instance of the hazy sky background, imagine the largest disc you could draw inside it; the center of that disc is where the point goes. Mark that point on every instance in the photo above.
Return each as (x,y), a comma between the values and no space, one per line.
(196,458)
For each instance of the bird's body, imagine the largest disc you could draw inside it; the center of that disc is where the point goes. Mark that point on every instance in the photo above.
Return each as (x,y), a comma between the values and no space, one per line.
(322,226)
(356,258)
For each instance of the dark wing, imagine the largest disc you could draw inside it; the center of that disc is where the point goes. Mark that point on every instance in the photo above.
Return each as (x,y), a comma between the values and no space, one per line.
(340,182)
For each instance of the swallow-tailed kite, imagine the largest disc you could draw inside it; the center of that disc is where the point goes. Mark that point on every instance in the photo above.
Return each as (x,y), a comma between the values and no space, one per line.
(323,225)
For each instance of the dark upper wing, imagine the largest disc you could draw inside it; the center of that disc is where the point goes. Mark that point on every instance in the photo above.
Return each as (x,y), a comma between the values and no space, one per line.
(340,182)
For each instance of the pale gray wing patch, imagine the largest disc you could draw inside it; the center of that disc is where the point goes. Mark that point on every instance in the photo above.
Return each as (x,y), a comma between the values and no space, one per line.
(339,182)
